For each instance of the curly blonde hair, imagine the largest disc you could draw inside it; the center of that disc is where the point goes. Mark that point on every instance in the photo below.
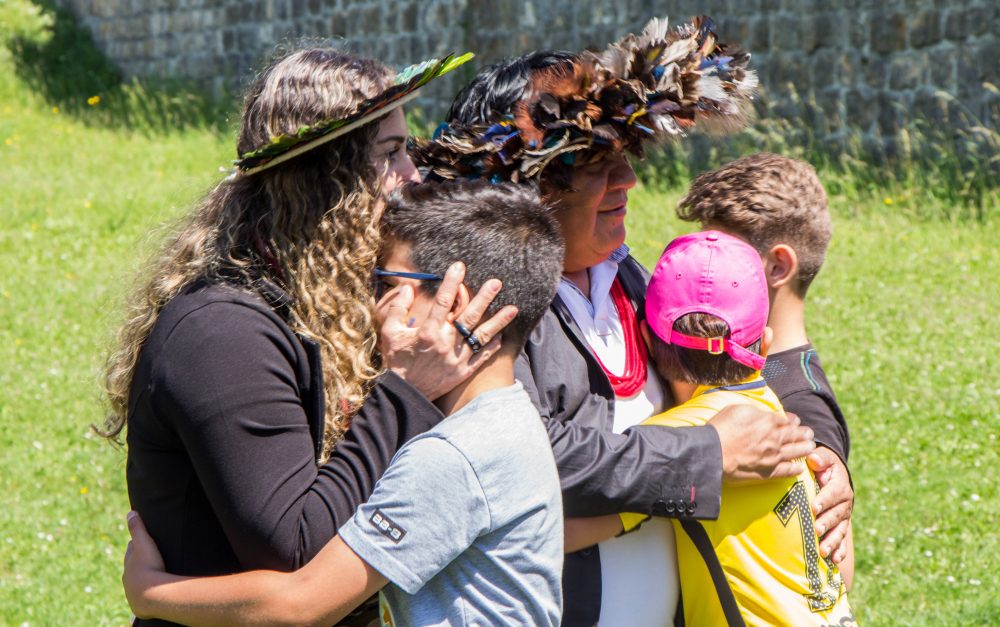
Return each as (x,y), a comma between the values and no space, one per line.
(309,225)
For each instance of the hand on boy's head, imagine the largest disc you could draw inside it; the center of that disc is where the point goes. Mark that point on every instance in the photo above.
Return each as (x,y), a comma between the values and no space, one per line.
(427,350)
(834,502)
(758,444)
(398,299)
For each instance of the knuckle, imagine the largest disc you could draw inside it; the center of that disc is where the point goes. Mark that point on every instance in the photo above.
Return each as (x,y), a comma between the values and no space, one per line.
(426,336)
(476,307)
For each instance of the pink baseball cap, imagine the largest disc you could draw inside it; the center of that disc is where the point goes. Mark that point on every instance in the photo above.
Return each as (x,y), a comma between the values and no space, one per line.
(713,273)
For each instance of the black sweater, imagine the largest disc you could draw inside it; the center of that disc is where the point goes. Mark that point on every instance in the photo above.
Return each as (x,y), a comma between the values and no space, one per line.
(224,422)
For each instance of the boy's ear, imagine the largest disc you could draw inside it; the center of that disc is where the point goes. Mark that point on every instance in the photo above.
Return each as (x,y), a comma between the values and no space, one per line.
(462,299)
(644,330)
(765,341)
(781,265)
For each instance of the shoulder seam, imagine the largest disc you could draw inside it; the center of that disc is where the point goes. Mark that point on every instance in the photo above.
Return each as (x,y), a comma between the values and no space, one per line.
(472,467)
(185,316)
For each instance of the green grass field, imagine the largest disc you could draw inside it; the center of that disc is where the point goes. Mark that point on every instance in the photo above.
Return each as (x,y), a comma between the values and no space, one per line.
(903,314)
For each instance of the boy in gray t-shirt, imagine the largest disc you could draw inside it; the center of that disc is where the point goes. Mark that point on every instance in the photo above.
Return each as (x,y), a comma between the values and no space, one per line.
(465,527)
(465,523)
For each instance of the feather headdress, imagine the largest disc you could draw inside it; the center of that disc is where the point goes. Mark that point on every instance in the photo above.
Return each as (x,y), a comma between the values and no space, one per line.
(403,89)
(642,88)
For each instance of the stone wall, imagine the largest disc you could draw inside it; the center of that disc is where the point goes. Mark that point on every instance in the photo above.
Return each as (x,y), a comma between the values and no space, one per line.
(870,64)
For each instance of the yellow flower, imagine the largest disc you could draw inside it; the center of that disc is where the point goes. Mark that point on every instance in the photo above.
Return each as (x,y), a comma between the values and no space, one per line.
(9,141)
(84,490)
(7,109)
(18,341)
(55,109)
(87,204)
(34,226)
(887,200)
(94,101)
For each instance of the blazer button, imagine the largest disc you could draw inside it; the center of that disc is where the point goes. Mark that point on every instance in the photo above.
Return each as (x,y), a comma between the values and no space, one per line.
(671,506)
(692,506)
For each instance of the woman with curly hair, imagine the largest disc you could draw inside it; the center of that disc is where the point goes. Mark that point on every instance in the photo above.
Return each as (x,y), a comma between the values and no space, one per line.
(259,414)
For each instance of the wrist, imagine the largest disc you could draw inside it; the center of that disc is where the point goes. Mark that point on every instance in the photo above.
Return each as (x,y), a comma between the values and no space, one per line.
(152,595)
(139,597)
(728,464)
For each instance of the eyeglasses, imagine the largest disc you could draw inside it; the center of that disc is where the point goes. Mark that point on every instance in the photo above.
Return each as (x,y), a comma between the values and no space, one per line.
(381,287)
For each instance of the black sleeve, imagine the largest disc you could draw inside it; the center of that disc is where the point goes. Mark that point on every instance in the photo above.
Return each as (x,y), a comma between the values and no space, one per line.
(815,412)
(233,395)
(648,469)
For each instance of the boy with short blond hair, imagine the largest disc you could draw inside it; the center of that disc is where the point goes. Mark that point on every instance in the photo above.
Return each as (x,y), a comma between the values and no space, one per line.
(777,204)
(766,199)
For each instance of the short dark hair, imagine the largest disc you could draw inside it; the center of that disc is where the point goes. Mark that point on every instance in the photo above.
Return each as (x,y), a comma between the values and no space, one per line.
(678,363)
(766,199)
(495,91)
(501,231)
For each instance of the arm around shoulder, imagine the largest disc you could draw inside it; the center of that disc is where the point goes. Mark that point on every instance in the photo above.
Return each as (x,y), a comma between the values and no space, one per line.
(321,593)
(644,469)
(641,470)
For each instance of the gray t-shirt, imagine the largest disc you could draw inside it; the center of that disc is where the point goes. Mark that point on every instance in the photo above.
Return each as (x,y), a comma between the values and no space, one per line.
(467,521)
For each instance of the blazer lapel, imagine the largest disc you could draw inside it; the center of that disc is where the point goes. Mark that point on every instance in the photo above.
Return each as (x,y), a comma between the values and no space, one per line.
(569,324)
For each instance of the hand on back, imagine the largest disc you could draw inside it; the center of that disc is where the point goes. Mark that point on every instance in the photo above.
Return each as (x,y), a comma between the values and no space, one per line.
(143,566)
(833,504)
(758,444)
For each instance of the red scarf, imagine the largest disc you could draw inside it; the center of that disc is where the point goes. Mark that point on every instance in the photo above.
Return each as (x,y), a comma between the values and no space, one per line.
(634,377)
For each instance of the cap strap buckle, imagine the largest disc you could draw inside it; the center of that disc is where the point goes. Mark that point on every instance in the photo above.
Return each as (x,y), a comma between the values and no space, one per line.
(716,345)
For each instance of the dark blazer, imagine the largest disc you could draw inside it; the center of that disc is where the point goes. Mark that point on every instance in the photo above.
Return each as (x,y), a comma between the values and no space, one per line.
(225,420)
(648,469)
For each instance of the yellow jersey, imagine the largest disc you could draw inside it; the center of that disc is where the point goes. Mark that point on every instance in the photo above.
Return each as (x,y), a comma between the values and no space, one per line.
(764,538)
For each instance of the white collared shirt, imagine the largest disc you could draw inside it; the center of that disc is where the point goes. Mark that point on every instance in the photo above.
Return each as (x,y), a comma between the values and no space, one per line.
(639,584)
(598,321)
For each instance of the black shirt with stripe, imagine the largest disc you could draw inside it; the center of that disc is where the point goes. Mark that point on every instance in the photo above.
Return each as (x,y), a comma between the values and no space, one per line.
(797,377)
